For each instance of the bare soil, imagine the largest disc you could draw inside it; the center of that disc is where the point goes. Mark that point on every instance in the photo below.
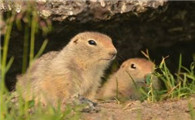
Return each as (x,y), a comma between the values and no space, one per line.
(135,110)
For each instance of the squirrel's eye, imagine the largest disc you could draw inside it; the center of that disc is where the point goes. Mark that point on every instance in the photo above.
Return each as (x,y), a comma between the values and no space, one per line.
(92,42)
(133,66)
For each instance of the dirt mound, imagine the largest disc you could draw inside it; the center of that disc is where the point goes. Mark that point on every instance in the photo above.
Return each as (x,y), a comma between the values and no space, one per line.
(135,110)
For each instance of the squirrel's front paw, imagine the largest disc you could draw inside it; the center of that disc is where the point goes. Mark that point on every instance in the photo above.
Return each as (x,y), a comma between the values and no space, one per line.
(88,105)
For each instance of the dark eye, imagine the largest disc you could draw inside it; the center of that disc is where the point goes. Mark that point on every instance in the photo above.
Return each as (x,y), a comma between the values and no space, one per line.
(92,42)
(133,66)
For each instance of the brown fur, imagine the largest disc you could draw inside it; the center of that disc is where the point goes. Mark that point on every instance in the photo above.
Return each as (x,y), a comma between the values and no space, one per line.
(122,80)
(76,69)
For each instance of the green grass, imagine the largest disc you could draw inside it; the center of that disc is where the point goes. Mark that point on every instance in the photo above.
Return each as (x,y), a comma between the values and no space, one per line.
(191,110)
(27,110)
(175,86)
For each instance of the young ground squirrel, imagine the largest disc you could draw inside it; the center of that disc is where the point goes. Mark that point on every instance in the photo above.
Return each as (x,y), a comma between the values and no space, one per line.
(76,69)
(122,83)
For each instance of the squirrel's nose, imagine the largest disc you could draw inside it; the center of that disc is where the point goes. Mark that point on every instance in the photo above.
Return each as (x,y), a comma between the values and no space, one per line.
(113,53)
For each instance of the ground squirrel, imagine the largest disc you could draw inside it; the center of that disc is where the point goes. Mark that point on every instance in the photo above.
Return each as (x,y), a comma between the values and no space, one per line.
(122,82)
(76,69)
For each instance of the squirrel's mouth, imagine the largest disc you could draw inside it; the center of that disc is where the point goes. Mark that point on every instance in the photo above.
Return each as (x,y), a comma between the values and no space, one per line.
(108,59)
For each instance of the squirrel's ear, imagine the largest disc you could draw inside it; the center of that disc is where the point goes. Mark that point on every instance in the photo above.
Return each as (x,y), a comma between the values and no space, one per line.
(75,41)
(123,65)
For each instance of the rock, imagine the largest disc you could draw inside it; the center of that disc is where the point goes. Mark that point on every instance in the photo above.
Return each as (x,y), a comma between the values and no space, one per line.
(83,10)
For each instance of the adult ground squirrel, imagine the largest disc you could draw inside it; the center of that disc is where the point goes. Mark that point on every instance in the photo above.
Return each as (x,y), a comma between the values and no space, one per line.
(123,83)
(76,69)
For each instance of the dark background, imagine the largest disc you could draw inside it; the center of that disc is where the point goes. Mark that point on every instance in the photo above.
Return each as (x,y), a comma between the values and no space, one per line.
(166,31)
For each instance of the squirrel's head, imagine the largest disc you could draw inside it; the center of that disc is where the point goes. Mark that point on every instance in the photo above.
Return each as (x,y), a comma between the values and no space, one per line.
(93,47)
(138,69)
